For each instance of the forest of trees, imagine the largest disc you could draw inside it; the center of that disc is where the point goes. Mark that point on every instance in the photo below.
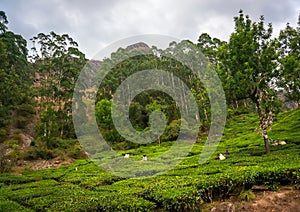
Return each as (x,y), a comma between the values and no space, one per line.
(37,82)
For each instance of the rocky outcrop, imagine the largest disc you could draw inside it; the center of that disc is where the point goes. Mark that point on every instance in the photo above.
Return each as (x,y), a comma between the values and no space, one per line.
(139,47)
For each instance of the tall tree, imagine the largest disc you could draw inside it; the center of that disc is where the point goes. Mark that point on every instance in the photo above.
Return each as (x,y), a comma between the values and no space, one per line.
(58,63)
(5,90)
(3,22)
(289,72)
(14,70)
(249,61)
(209,47)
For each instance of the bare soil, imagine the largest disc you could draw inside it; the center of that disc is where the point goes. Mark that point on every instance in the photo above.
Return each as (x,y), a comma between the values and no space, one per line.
(286,199)
(44,164)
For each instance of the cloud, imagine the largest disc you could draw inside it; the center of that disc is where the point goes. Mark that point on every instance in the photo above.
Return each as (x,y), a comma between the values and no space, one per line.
(95,24)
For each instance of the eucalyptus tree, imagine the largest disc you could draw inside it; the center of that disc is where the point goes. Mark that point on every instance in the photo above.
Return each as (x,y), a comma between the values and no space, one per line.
(14,70)
(6,87)
(58,62)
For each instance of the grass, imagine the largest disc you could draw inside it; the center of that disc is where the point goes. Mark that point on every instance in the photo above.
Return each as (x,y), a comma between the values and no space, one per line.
(183,188)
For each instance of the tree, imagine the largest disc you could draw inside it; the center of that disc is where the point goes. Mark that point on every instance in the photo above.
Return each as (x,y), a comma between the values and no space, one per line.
(209,47)
(143,104)
(249,62)
(5,91)
(58,62)
(14,71)
(3,22)
(289,72)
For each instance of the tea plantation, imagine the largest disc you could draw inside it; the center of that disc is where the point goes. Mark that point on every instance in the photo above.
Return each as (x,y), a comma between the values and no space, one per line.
(83,186)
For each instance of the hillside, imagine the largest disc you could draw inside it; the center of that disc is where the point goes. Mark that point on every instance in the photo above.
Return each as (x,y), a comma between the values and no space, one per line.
(82,186)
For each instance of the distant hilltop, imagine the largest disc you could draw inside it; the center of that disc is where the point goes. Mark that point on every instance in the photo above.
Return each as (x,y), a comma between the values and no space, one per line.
(138,46)
(95,64)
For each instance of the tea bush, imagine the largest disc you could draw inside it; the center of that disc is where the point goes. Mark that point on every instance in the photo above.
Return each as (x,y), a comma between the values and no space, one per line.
(83,186)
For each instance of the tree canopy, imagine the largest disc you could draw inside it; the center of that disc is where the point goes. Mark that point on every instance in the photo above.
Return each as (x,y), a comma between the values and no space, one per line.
(253,65)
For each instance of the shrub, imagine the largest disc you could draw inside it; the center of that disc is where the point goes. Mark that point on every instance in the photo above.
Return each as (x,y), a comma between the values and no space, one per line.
(53,142)
(3,134)
(295,178)
(11,142)
(247,195)
(38,153)
(32,143)
(17,131)
(27,169)
(8,205)
(273,186)
(25,110)
(17,134)
(21,122)
(5,160)
(76,152)
(172,131)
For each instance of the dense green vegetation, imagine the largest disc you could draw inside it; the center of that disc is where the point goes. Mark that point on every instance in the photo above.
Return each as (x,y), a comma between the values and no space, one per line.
(36,91)
(184,188)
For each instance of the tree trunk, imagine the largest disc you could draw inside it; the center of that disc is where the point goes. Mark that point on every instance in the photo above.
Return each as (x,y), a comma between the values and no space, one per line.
(245,103)
(267,146)
(262,126)
(237,104)
(61,131)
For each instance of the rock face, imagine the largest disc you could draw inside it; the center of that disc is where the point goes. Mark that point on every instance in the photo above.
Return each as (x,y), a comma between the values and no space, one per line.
(289,104)
(139,47)
(95,64)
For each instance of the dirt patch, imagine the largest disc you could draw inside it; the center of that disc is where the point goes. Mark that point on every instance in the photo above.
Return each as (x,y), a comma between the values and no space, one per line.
(45,164)
(26,140)
(287,199)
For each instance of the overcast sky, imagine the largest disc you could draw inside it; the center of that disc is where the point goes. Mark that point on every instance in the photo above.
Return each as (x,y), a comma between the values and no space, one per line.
(95,24)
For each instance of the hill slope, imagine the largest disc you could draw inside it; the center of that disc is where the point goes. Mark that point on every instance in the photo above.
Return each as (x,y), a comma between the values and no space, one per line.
(83,186)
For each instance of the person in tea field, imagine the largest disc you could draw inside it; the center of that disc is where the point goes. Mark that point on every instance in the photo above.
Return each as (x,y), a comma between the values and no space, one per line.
(144,157)
(227,152)
(222,157)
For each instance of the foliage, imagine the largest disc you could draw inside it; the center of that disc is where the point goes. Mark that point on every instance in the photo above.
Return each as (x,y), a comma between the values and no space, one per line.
(5,160)
(3,134)
(57,61)
(84,186)
(247,195)
(14,71)
(53,148)
(249,65)
(23,115)
(289,51)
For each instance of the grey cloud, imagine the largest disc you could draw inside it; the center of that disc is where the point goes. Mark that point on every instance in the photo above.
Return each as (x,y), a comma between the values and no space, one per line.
(95,24)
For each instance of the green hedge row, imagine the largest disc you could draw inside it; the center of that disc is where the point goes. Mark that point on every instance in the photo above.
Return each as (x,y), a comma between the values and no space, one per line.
(75,191)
